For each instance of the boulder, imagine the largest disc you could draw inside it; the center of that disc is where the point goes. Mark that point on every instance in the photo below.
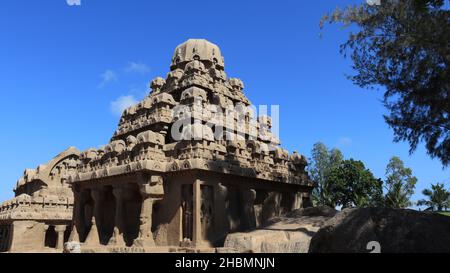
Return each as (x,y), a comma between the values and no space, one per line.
(72,247)
(383,230)
(290,233)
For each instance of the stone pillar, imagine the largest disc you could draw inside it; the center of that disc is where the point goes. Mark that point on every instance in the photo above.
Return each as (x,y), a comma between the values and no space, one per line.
(197,225)
(298,201)
(271,206)
(45,228)
(117,238)
(221,209)
(151,190)
(93,237)
(248,197)
(60,229)
(145,233)
(77,205)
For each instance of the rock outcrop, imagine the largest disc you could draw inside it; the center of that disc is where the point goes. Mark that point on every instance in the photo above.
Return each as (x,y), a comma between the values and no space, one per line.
(392,230)
(355,230)
(290,233)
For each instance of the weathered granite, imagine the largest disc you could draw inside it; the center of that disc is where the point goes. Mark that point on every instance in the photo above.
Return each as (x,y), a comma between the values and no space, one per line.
(37,218)
(290,233)
(396,231)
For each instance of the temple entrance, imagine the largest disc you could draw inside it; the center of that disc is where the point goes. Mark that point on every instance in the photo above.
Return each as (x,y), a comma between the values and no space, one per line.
(187,208)
(106,222)
(51,237)
(132,208)
(85,214)
(4,238)
(67,233)
(287,202)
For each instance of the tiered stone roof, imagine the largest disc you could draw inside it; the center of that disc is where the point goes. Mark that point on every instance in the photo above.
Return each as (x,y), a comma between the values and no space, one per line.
(195,118)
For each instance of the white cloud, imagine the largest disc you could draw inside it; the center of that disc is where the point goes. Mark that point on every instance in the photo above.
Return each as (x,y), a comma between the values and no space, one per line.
(345,141)
(122,103)
(137,67)
(73,2)
(107,76)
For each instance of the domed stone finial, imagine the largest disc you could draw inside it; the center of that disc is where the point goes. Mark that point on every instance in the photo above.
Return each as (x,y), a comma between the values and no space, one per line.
(197,49)
(157,83)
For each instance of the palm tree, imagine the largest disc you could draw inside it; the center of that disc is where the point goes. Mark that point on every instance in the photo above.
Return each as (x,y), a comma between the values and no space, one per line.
(438,197)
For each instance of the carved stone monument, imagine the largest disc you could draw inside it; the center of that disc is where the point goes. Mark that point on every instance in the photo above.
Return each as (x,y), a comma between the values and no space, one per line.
(187,165)
(39,217)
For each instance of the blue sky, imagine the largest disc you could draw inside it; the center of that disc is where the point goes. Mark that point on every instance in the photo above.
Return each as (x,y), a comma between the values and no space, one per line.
(64,71)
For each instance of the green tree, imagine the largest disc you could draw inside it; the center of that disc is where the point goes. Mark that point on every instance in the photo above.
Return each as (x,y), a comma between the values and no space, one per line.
(399,184)
(403,46)
(438,197)
(351,184)
(322,161)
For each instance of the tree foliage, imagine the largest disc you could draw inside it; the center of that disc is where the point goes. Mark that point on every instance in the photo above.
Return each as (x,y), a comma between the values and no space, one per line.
(352,185)
(403,46)
(399,184)
(438,197)
(322,161)
(342,182)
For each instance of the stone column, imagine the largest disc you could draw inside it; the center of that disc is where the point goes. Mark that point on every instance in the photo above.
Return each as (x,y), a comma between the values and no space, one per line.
(43,237)
(298,201)
(60,229)
(77,205)
(145,233)
(197,225)
(151,190)
(93,237)
(271,206)
(221,209)
(117,238)
(248,199)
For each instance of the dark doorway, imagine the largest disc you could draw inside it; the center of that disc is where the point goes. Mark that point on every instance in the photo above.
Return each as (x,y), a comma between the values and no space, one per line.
(67,233)
(4,237)
(51,237)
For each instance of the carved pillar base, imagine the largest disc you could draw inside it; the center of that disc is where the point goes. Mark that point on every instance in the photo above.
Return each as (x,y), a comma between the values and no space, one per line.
(143,242)
(117,238)
(92,237)
(74,236)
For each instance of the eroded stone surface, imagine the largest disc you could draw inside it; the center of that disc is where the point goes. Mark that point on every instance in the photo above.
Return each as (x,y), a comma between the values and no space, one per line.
(290,233)
(396,231)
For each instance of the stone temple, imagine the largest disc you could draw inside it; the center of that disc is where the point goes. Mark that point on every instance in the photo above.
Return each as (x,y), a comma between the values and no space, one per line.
(187,165)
